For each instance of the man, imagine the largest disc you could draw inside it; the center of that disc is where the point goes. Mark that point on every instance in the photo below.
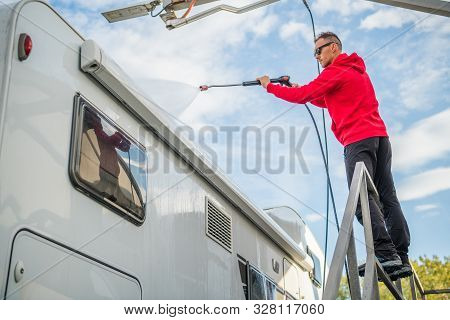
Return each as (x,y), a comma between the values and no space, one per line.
(345,89)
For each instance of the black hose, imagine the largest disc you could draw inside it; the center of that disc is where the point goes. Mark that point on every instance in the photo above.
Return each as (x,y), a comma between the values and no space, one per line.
(325,161)
(154,16)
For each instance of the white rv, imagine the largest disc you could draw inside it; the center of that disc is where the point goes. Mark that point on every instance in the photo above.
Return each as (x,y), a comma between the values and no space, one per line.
(84,213)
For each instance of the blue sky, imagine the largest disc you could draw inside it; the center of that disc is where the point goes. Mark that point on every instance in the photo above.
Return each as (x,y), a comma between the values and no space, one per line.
(406,54)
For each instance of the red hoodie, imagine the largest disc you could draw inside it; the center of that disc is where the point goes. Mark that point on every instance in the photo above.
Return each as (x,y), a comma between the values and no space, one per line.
(345,89)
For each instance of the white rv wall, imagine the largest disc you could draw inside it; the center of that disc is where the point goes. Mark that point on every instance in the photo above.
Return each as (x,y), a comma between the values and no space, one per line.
(169,254)
(5,52)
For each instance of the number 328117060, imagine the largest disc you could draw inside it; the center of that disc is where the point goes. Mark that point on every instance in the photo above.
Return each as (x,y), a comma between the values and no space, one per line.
(294,308)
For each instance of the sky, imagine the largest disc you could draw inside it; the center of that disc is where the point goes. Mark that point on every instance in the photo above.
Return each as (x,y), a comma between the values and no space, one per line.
(407,58)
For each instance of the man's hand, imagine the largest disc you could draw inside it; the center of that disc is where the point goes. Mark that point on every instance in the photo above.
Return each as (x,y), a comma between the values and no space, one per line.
(265,80)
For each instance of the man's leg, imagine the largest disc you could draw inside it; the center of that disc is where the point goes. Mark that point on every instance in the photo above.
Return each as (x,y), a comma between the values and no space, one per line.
(366,151)
(395,220)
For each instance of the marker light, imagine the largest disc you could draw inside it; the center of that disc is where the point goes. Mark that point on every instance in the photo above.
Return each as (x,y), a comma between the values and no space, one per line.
(25,46)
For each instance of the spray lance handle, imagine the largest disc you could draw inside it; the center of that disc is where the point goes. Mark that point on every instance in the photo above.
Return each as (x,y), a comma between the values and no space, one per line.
(284,80)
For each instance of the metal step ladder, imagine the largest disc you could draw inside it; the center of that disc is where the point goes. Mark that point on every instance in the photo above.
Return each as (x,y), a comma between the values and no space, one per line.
(360,187)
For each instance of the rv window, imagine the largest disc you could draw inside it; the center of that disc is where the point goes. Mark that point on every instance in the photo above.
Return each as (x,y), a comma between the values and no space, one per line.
(261,286)
(243,271)
(257,291)
(107,163)
(279,294)
(316,274)
(273,292)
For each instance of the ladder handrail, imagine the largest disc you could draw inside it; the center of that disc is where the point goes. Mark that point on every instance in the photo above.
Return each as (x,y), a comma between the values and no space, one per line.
(345,246)
(416,282)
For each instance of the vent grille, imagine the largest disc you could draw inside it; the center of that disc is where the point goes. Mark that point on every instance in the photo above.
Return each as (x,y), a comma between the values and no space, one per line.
(218,225)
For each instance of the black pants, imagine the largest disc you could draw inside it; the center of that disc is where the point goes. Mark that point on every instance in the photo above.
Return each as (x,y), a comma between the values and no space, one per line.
(390,230)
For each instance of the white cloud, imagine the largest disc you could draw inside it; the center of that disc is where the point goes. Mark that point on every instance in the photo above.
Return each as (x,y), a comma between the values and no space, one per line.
(434,23)
(95,4)
(293,28)
(397,17)
(425,141)
(425,184)
(416,92)
(265,26)
(425,207)
(314,217)
(343,7)
(416,71)
(388,18)
(431,214)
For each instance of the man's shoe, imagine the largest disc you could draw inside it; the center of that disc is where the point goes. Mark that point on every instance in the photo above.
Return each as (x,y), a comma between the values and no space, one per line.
(389,265)
(404,272)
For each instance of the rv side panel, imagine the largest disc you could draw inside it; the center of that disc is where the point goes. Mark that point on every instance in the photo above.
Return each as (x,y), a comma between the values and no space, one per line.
(169,256)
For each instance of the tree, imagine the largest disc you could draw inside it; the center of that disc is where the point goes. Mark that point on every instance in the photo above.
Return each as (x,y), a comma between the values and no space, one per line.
(433,273)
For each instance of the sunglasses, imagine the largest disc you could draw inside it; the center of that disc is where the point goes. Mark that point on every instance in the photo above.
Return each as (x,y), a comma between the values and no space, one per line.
(318,51)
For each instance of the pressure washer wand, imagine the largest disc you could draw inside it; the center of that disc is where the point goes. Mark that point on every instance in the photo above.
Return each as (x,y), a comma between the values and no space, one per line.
(284,80)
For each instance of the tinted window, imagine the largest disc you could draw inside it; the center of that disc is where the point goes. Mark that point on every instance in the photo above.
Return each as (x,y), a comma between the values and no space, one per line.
(243,272)
(256,285)
(261,287)
(271,290)
(107,163)
(317,270)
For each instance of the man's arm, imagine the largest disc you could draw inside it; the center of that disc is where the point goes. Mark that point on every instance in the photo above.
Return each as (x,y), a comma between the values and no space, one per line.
(313,91)
(319,102)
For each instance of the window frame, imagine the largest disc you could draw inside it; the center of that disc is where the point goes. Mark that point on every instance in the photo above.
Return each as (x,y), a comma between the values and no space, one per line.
(80,103)
(278,289)
(312,274)
(254,269)
(244,275)
(266,278)
(289,296)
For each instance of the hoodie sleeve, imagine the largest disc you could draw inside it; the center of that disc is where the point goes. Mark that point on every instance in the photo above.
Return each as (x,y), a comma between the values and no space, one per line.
(319,102)
(314,91)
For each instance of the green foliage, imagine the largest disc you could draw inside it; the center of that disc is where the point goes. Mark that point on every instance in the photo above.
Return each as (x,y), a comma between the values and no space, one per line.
(344,292)
(433,273)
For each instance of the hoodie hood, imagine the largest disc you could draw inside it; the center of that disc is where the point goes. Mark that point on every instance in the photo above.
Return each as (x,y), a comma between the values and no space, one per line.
(354,61)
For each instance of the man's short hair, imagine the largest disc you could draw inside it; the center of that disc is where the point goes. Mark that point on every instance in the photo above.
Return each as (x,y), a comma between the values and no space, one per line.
(330,36)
